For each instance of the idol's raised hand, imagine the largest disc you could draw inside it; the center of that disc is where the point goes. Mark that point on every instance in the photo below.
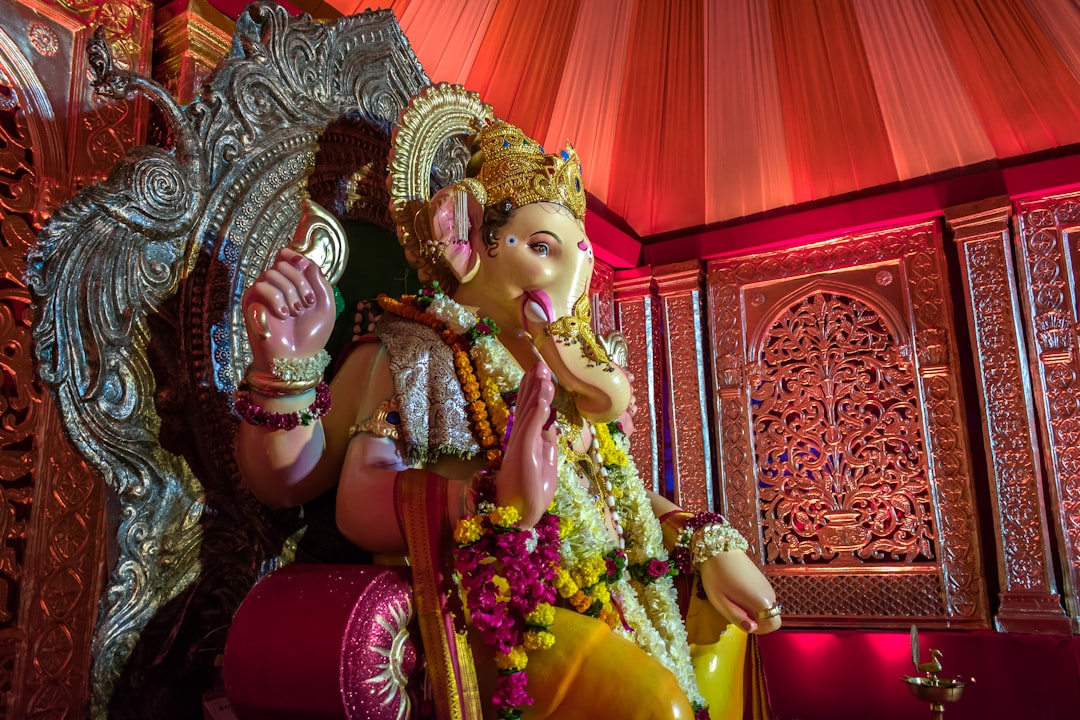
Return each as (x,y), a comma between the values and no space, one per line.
(288,311)
(528,474)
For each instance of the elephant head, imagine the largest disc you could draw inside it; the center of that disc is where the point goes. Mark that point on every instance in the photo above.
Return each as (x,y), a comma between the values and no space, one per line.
(529,271)
(512,234)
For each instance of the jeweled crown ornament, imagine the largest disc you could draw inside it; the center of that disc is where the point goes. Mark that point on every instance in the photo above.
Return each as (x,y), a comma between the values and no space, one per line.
(507,169)
(514,169)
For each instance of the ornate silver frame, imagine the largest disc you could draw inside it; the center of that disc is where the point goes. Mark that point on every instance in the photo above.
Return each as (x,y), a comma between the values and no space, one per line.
(138,337)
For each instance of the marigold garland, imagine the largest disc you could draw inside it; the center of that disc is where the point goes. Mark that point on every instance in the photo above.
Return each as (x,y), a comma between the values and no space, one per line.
(511,578)
(506,573)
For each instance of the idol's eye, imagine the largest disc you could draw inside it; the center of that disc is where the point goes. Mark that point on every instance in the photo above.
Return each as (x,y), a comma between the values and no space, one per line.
(511,240)
(540,248)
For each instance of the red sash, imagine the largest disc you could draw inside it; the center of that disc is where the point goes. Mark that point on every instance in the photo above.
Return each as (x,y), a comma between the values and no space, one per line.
(420,501)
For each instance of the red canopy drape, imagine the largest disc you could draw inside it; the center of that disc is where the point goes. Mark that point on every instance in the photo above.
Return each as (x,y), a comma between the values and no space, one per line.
(693,112)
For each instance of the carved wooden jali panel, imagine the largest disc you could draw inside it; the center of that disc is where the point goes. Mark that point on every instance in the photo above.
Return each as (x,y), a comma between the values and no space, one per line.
(842,450)
(1048,249)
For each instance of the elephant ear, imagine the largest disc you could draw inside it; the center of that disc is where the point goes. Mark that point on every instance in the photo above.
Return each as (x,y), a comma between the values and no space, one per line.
(436,118)
(456,219)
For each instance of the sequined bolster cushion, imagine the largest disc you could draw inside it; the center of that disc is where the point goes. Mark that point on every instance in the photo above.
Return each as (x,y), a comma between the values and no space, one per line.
(324,641)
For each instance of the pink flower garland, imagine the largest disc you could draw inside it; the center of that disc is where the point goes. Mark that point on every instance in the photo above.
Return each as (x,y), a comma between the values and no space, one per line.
(261,417)
(504,583)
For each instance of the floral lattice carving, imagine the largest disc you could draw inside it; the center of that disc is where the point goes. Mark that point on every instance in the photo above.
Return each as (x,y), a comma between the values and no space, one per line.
(839,449)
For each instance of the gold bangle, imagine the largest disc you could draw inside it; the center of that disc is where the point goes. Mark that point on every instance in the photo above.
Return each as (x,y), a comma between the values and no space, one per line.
(770,612)
(270,385)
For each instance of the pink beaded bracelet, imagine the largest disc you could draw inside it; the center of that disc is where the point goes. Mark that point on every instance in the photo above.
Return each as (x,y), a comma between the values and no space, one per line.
(261,417)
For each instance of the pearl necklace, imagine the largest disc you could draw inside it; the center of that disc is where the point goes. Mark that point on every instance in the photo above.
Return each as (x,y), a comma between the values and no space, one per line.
(592,465)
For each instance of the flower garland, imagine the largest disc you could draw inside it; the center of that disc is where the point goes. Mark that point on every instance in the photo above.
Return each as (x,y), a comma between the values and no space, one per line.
(507,574)
(645,594)
(510,577)
(261,417)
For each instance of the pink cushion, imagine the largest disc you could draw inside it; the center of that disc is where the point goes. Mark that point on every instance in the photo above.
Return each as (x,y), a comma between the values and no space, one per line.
(324,641)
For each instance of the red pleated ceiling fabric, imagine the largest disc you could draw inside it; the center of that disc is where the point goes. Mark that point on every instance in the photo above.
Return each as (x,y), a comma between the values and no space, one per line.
(693,112)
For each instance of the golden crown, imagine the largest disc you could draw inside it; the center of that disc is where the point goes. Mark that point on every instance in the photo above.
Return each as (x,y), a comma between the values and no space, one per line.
(507,167)
(514,169)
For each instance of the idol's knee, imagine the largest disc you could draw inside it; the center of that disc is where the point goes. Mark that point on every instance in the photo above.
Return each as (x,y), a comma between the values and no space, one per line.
(657,694)
(670,702)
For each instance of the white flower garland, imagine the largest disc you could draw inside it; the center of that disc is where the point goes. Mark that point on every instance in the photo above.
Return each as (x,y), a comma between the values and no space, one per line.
(665,637)
(456,316)
(651,610)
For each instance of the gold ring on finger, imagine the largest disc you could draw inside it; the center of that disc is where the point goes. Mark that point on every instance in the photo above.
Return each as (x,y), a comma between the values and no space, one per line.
(770,612)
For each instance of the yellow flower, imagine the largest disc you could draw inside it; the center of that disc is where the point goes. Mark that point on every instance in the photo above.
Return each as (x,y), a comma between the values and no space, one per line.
(600,592)
(564,583)
(468,530)
(610,454)
(504,516)
(544,615)
(538,640)
(503,586)
(588,571)
(566,526)
(516,659)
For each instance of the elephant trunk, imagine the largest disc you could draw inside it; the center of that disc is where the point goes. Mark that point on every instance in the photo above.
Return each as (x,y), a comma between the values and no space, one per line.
(600,389)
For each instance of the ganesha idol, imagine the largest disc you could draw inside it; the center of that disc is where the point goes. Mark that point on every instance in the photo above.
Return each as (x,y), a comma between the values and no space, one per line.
(483,437)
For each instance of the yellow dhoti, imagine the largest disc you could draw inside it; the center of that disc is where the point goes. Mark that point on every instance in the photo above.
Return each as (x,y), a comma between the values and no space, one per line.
(725,663)
(591,672)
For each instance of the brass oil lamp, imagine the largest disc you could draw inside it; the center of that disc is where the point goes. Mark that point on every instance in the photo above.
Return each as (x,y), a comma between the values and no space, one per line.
(929,686)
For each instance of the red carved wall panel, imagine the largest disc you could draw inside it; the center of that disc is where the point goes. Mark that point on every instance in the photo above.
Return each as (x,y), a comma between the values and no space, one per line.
(1028,598)
(842,450)
(686,370)
(1048,251)
(639,322)
(55,137)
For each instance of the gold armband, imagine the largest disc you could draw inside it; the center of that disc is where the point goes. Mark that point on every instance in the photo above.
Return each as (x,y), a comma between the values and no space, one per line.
(384,423)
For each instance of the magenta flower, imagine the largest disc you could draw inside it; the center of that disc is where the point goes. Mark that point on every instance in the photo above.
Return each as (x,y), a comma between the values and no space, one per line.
(512,691)
(683,560)
(658,568)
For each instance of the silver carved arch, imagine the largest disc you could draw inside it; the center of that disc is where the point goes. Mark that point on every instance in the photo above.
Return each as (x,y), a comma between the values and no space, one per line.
(138,333)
